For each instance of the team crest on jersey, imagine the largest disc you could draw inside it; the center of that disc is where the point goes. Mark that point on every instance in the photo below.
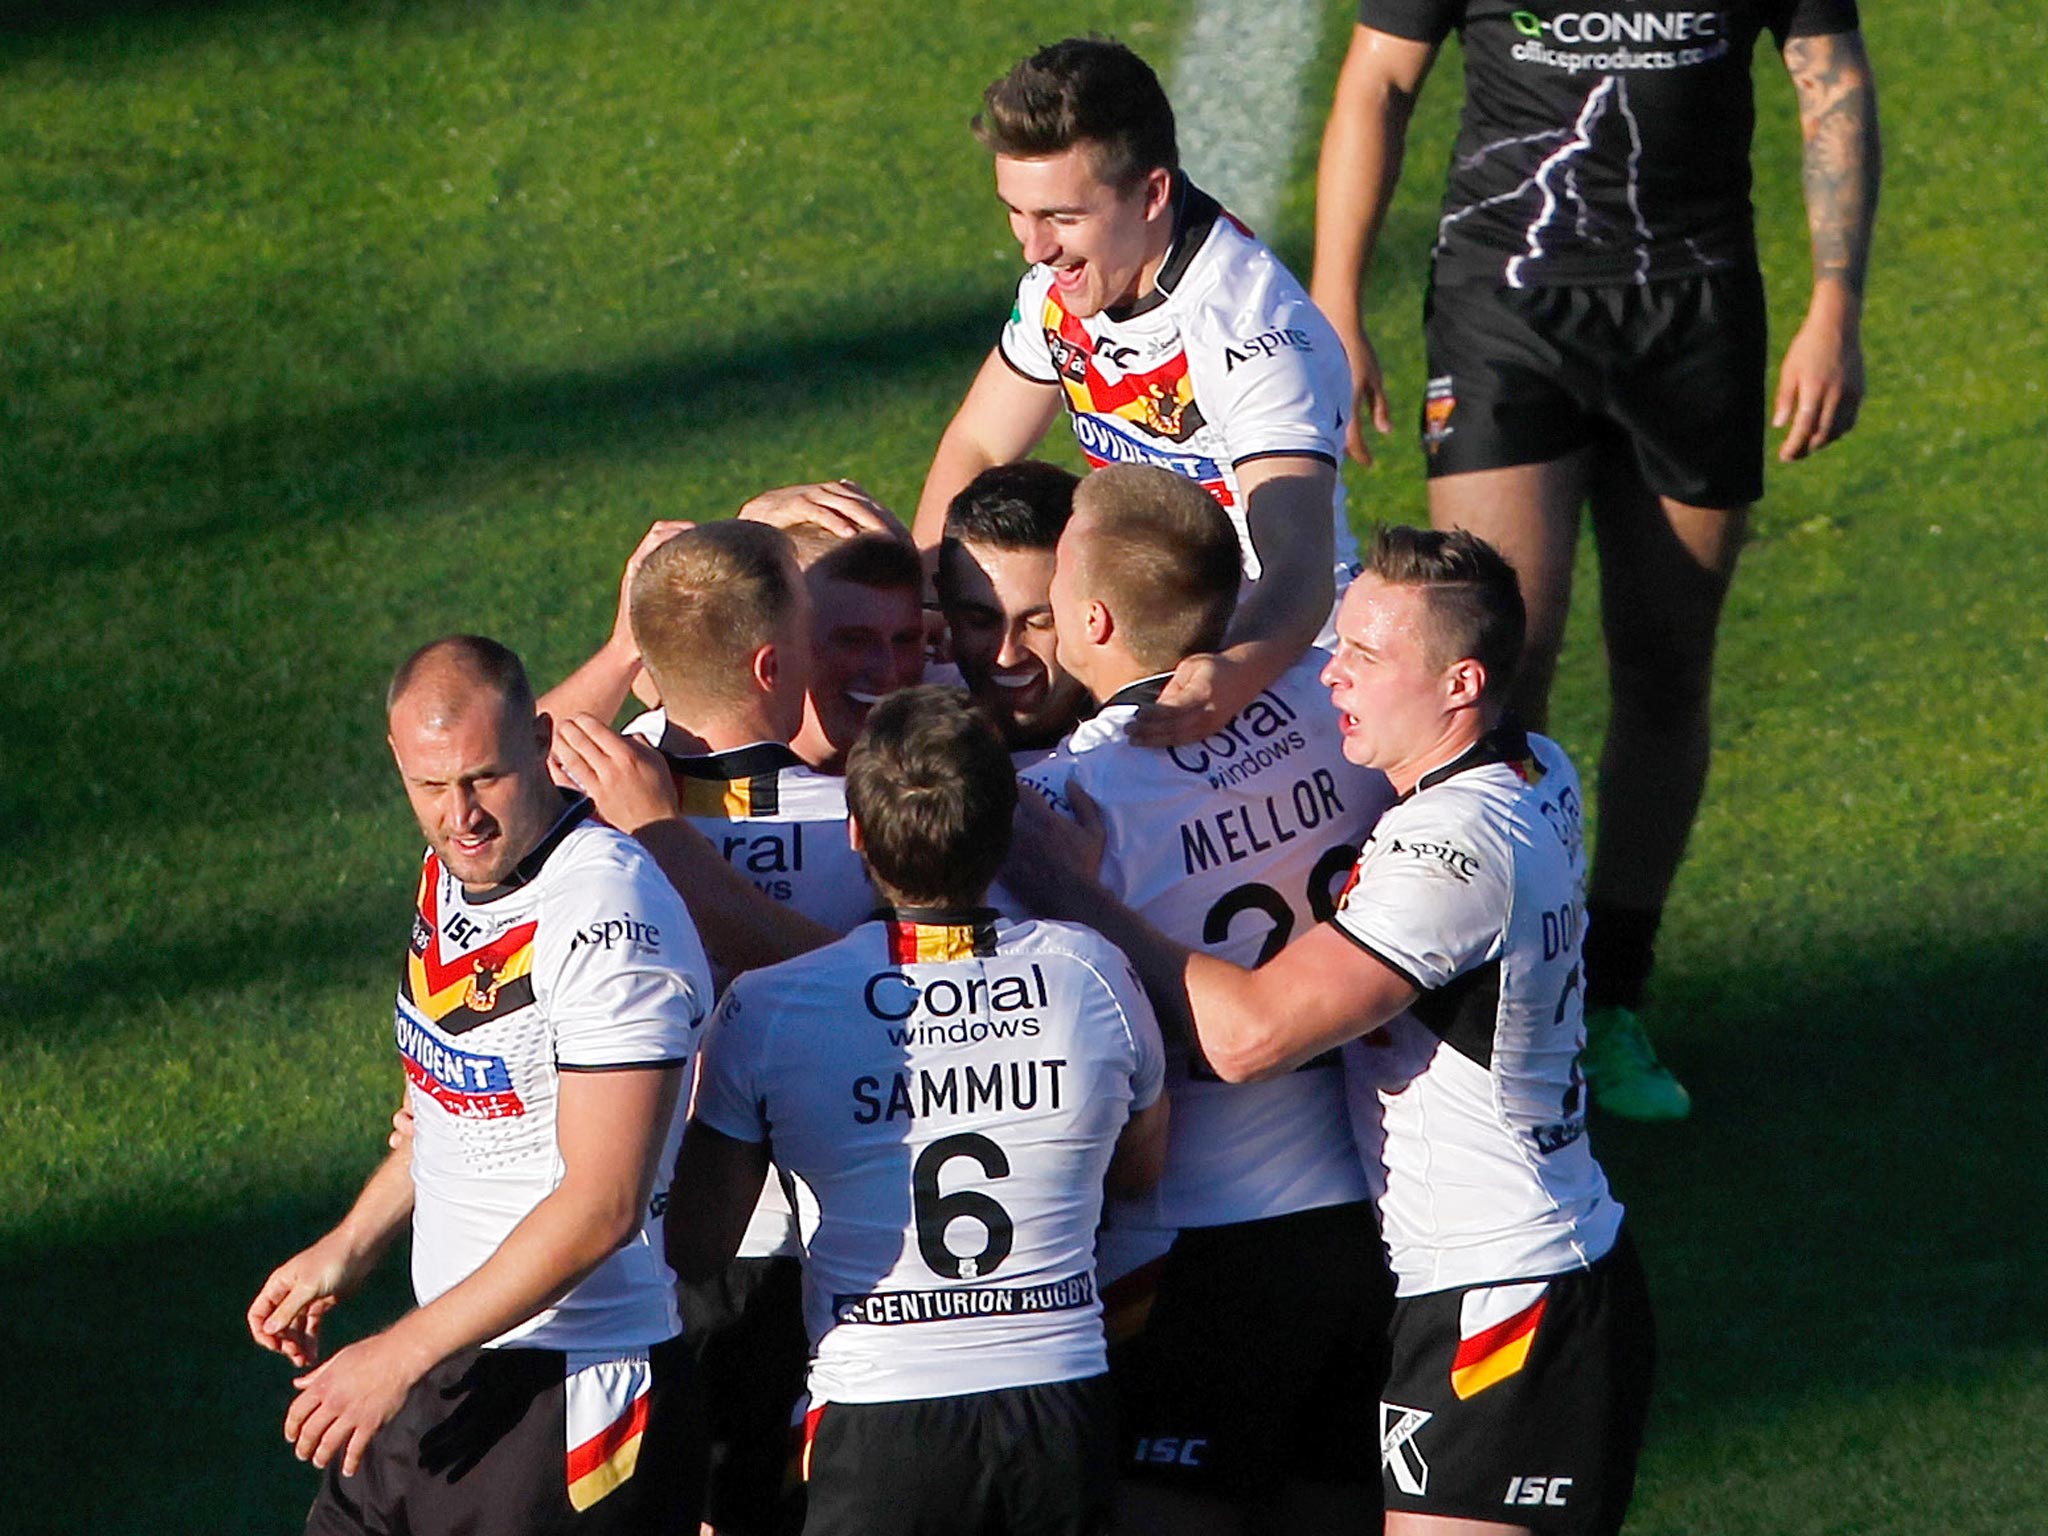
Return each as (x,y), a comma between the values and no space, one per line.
(458,992)
(1160,400)
(482,996)
(1439,400)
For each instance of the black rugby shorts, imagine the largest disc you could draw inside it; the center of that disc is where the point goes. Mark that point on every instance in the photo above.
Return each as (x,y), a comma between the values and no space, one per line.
(1524,1402)
(490,1440)
(1671,372)
(1027,1461)
(1260,1357)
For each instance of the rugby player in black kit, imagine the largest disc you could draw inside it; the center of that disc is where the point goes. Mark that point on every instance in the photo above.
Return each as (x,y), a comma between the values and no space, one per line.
(1595,333)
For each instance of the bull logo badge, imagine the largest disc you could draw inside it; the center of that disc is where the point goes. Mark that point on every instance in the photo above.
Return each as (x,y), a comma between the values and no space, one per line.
(483,988)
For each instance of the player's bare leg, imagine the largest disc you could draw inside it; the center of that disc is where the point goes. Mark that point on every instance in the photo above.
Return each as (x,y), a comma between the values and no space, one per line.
(1664,573)
(1530,513)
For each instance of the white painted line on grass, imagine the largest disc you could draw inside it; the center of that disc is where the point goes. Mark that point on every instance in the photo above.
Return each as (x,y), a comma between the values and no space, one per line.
(1236,95)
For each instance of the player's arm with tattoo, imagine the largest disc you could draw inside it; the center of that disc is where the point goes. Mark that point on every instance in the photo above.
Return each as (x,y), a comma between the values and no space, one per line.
(1820,383)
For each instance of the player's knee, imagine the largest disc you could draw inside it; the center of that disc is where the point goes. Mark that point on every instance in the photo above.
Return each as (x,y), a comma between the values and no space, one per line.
(1662,686)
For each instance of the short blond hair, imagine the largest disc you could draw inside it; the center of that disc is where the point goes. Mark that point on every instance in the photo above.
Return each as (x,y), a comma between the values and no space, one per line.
(704,602)
(1162,556)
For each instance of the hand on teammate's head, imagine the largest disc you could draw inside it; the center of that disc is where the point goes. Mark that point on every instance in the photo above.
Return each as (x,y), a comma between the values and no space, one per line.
(658,533)
(841,507)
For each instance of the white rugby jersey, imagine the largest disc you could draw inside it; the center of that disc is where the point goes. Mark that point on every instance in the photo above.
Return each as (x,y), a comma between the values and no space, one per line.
(583,959)
(782,824)
(944,1090)
(1232,846)
(1227,360)
(1473,888)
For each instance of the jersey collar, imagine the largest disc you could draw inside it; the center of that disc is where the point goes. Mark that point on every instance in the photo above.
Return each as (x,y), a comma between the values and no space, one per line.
(735,762)
(938,933)
(575,810)
(1506,743)
(1145,690)
(1195,214)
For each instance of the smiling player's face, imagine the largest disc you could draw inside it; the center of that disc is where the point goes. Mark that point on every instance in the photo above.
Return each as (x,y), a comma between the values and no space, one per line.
(1003,642)
(1102,242)
(865,642)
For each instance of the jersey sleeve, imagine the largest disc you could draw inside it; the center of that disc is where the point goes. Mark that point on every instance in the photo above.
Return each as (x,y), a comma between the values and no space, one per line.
(1422,21)
(1277,376)
(1813,18)
(728,1095)
(1048,780)
(1022,343)
(1430,898)
(1148,1069)
(619,966)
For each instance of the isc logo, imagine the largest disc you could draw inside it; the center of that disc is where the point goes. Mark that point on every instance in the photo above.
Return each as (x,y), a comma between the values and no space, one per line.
(1171,1451)
(1537,1490)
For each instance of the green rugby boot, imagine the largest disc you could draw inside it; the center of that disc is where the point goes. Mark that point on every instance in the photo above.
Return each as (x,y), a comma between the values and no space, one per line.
(1623,1071)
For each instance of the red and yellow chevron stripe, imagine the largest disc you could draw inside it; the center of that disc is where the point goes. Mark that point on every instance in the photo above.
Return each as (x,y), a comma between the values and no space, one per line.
(1491,1357)
(605,1460)
(725,799)
(439,984)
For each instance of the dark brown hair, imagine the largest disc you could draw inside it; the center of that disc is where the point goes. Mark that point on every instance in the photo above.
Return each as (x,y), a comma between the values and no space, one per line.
(1473,599)
(1085,90)
(933,791)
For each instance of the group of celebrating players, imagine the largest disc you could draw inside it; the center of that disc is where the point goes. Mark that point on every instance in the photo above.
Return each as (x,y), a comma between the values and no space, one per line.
(1122,1090)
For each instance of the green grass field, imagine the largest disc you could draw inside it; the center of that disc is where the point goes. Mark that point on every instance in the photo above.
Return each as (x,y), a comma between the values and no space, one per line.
(324,329)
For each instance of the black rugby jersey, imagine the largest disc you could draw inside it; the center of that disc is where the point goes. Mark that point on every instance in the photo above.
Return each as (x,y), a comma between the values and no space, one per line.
(1603,141)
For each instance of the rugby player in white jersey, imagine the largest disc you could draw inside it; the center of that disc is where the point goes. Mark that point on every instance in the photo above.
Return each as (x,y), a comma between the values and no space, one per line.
(1522,1335)
(721,621)
(1263,1216)
(947,1093)
(994,582)
(1171,336)
(548,1009)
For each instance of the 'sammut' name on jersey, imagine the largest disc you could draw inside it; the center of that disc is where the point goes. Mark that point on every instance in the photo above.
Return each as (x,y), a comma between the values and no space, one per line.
(1006,1086)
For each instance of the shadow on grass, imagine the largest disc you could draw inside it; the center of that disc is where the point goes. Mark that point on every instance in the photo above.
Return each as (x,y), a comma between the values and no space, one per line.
(312,469)
(324,943)
(1841,1216)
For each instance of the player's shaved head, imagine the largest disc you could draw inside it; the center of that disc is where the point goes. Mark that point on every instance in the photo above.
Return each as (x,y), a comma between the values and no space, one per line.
(446,679)
(1155,549)
(702,606)
(1472,598)
(473,755)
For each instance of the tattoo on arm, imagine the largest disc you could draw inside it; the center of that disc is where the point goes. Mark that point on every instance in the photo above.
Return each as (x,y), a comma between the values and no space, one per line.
(1838,120)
